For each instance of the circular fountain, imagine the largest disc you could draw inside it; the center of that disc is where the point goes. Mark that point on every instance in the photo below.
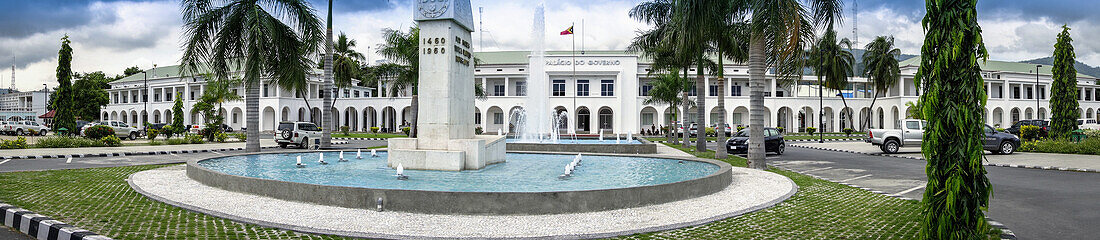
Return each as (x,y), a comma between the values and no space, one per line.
(526,183)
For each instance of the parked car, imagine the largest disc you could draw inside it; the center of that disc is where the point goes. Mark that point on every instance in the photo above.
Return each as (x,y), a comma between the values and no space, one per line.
(25,127)
(1087,124)
(999,142)
(773,142)
(8,127)
(122,130)
(80,126)
(194,129)
(1044,126)
(909,132)
(297,133)
(226,128)
(693,130)
(728,130)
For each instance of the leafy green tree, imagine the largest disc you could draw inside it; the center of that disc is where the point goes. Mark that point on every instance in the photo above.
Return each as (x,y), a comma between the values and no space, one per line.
(667,89)
(832,63)
(131,71)
(1063,102)
(880,65)
(260,39)
(64,113)
(90,89)
(954,99)
(403,49)
(177,116)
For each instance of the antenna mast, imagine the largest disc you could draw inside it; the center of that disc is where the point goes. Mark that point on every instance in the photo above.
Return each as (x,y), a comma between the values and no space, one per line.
(12,86)
(855,23)
(481,26)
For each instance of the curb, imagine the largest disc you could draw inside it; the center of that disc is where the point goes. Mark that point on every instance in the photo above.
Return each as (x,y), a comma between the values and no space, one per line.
(42,227)
(799,140)
(1005,232)
(123,154)
(985,164)
(375,139)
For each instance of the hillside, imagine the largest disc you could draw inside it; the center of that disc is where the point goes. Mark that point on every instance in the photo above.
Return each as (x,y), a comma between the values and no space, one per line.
(1081,67)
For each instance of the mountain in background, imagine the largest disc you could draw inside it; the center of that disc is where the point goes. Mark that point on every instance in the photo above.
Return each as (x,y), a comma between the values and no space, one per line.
(1081,67)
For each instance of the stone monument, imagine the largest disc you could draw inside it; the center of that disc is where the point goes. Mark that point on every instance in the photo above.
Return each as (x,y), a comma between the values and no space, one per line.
(445,128)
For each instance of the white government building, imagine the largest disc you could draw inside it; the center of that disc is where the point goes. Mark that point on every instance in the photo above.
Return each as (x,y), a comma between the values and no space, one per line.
(607,92)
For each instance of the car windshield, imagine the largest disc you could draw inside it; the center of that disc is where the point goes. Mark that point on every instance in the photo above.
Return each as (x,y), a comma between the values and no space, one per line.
(742,133)
(308,127)
(286,126)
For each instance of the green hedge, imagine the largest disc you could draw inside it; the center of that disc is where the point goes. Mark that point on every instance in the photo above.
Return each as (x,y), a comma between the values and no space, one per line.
(1090,146)
(67,142)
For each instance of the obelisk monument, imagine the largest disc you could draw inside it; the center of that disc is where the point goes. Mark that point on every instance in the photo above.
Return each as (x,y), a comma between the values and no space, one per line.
(445,128)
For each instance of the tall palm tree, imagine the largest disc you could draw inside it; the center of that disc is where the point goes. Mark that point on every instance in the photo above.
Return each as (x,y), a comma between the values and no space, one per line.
(732,43)
(663,43)
(346,63)
(957,192)
(402,48)
(327,86)
(779,31)
(667,89)
(832,63)
(243,36)
(880,65)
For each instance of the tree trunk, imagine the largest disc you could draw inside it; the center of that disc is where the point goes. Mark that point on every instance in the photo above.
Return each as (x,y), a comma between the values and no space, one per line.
(720,131)
(851,112)
(684,123)
(252,107)
(875,98)
(414,108)
(757,70)
(700,109)
(326,116)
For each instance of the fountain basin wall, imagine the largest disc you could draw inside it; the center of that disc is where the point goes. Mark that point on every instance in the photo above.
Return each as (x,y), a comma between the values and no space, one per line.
(470,203)
(646,147)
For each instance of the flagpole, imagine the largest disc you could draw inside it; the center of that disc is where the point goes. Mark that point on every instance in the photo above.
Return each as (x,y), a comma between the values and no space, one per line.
(574,64)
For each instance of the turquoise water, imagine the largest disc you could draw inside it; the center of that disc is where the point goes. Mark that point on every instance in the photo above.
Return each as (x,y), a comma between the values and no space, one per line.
(522,172)
(583,141)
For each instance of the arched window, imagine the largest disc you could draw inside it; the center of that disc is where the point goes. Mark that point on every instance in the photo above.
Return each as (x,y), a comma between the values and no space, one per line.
(605,119)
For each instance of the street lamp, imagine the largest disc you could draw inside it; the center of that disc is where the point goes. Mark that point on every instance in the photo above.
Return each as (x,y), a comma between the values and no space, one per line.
(1037,91)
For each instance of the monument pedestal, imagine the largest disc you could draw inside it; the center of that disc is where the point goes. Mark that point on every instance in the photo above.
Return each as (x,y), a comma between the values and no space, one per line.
(455,155)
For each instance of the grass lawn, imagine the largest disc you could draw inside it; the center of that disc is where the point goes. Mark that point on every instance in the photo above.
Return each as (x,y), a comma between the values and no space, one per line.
(100,200)
(368,135)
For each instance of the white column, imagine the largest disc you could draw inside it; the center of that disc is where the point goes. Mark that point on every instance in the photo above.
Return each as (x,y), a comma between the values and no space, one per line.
(506,87)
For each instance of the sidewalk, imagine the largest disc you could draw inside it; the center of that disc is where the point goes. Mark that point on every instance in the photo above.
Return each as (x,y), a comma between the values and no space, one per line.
(130,150)
(1049,161)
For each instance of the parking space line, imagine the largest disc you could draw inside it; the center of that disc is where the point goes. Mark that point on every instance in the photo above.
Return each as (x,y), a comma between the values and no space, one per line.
(855,178)
(819,169)
(218,153)
(2,162)
(907,191)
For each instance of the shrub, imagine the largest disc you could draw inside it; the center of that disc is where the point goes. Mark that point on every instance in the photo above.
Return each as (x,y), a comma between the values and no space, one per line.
(711,132)
(811,130)
(111,141)
(193,139)
(168,131)
(1091,133)
(345,130)
(1030,132)
(1028,146)
(99,132)
(155,143)
(66,142)
(405,130)
(1089,146)
(151,134)
(739,128)
(240,136)
(374,129)
(478,130)
(18,143)
(848,131)
(176,141)
(220,137)
(781,129)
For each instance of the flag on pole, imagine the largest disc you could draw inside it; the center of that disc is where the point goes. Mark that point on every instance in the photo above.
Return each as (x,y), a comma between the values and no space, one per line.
(567,31)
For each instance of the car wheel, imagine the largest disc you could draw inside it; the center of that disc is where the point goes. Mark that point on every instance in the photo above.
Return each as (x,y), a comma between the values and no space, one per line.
(780,150)
(304,144)
(43,132)
(133,136)
(19,132)
(890,146)
(1007,148)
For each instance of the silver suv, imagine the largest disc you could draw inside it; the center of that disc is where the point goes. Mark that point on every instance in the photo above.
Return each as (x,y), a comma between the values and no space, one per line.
(122,130)
(300,134)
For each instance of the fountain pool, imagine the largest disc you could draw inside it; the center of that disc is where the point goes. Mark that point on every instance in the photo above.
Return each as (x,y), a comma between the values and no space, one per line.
(527,183)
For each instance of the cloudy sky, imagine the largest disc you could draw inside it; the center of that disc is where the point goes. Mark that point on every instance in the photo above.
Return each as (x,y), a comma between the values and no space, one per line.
(110,35)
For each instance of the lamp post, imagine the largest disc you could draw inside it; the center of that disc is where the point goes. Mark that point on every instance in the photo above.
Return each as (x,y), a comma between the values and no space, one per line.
(820,112)
(1037,92)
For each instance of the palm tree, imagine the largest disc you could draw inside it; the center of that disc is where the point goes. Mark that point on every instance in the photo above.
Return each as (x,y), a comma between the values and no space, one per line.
(667,89)
(243,36)
(327,89)
(957,191)
(662,44)
(404,73)
(347,63)
(832,64)
(779,31)
(732,43)
(880,63)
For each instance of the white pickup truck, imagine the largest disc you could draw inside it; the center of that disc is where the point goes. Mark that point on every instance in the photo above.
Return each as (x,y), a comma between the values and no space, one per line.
(910,132)
(20,128)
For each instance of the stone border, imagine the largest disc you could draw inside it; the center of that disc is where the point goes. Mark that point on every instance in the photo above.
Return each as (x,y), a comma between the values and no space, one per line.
(123,154)
(1006,233)
(645,147)
(43,227)
(469,203)
(345,138)
(985,164)
(523,226)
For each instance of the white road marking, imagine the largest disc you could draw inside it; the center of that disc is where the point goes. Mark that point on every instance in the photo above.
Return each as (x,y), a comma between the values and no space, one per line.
(173,154)
(853,179)
(2,162)
(69,161)
(907,191)
(819,169)
(218,153)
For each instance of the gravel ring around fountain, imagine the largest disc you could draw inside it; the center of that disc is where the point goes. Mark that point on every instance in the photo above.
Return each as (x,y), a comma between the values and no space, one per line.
(750,191)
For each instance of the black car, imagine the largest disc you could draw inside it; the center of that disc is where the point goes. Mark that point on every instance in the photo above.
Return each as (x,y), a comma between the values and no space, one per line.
(773,142)
(80,125)
(226,128)
(999,142)
(1043,125)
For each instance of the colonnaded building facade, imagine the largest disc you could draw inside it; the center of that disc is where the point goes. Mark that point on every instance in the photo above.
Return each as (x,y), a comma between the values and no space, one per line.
(603,90)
